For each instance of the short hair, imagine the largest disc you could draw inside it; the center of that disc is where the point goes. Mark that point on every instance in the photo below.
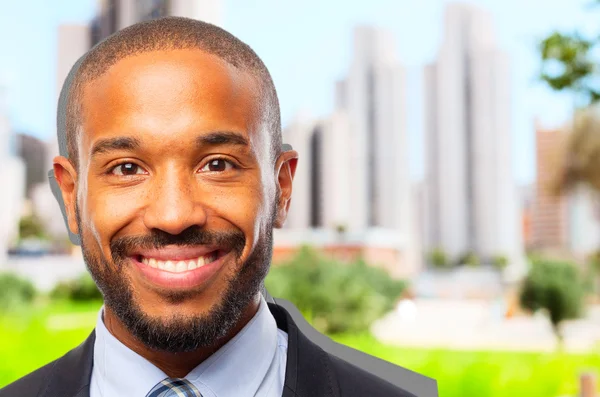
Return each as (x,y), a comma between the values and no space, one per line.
(171,33)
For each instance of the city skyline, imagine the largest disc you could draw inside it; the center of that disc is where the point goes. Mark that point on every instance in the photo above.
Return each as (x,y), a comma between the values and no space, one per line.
(31,89)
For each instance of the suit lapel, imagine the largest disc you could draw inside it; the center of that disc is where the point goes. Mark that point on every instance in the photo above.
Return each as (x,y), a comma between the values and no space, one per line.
(71,374)
(308,372)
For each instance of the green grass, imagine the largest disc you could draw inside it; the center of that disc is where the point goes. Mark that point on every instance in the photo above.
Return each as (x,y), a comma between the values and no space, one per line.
(34,337)
(45,332)
(487,374)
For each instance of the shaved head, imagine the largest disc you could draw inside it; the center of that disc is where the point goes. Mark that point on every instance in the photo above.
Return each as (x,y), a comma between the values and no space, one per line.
(173,33)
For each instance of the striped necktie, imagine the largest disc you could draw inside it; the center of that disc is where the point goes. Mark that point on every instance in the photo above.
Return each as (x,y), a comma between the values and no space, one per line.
(174,387)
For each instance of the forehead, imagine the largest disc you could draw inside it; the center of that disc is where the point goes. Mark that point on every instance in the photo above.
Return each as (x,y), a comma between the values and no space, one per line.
(171,95)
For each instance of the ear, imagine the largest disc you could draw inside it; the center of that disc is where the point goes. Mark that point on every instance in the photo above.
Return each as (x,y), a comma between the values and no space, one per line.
(66,179)
(286,169)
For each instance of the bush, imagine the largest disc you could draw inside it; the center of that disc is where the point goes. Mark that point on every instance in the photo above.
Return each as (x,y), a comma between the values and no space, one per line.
(82,289)
(499,261)
(555,287)
(31,226)
(469,259)
(336,297)
(15,291)
(438,258)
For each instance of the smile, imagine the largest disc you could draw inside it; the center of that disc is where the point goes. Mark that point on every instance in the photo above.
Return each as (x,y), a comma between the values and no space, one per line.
(180,266)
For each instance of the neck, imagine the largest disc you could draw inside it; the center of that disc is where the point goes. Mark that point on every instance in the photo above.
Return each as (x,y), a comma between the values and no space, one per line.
(175,365)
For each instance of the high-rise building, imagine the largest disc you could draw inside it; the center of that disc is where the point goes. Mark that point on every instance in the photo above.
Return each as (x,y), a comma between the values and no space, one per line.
(373,97)
(472,196)
(12,176)
(33,152)
(550,215)
(352,188)
(322,183)
(73,42)
(114,15)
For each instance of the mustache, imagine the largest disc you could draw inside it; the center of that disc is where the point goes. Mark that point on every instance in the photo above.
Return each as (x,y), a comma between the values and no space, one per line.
(231,240)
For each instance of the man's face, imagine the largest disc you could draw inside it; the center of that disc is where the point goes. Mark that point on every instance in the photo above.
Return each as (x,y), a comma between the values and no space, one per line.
(175,197)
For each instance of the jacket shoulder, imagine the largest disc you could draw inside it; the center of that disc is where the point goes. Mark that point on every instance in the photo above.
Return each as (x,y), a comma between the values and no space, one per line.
(354,381)
(29,385)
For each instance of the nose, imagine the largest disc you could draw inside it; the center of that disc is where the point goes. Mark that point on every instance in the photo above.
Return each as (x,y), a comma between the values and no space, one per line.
(174,204)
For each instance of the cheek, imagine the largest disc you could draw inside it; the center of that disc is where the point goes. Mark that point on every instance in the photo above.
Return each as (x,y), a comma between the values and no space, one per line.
(107,213)
(242,207)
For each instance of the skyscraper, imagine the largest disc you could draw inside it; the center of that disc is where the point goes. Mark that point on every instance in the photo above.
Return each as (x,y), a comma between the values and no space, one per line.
(73,42)
(372,95)
(472,198)
(114,15)
(12,176)
(322,183)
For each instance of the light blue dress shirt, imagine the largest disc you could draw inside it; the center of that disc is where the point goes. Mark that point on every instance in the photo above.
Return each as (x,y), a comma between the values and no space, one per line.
(251,364)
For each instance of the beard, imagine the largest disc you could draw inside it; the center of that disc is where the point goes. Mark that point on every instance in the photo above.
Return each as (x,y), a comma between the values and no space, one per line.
(180,333)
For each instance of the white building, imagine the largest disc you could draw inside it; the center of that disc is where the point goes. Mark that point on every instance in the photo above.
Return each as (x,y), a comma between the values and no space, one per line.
(73,42)
(373,96)
(12,176)
(353,165)
(114,15)
(472,197)
(322,183)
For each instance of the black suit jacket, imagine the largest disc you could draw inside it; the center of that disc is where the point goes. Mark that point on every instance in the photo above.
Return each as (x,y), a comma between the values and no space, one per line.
(310,371)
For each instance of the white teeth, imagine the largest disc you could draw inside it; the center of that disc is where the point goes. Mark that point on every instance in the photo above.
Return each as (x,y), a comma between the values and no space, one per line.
(180,266)
(169,266)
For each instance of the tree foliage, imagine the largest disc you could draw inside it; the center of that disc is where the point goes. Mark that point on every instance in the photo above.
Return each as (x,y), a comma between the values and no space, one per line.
(438,258)
(31,227)
(15,291)
(335,296)
(569,63)
(555,287)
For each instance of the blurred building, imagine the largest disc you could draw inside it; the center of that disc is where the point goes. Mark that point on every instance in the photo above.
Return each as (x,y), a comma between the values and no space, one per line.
(373,97)
(527,197)
(352,187)
(73,42)
(114,15)
(12,175)
(566,224)
(550,216)
(322,180)
(33,153)
(472,197)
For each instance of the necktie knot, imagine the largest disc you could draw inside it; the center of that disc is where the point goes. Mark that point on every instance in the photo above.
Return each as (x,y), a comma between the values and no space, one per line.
(174,387)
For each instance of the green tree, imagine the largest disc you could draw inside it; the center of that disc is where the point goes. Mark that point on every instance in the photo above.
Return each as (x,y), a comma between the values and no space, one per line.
(555,288)
(30,226)
(569,64)
(334,296)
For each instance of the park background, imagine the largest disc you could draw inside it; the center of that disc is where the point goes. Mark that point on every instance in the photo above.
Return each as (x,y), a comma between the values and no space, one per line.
(445,210)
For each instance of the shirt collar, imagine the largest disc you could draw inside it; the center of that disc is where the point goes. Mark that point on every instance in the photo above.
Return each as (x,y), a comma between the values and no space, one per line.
(237,368)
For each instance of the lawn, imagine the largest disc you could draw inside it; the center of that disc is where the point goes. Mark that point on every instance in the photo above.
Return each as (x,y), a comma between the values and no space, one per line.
(48,331)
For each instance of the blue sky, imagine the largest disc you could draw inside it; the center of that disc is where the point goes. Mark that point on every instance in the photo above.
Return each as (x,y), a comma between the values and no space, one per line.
(307,47)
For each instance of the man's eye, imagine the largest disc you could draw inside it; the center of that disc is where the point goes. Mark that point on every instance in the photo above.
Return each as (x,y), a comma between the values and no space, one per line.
(217,165)
(126,169)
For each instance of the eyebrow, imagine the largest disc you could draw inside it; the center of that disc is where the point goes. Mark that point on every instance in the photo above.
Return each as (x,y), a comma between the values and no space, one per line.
(128,143)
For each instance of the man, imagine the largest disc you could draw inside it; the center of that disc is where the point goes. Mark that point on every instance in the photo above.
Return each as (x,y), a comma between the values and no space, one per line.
(174,180)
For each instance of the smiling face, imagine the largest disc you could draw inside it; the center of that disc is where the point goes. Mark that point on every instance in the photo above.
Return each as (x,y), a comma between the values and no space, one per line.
(175,197)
